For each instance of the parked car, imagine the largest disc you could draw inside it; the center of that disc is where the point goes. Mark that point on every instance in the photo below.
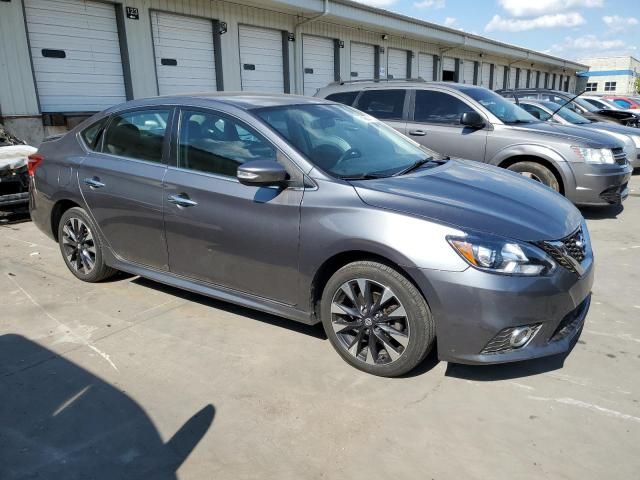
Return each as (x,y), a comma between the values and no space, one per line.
(579,105)
(14,180)
(470,122)
(317,212)
(625,103)
(552,112)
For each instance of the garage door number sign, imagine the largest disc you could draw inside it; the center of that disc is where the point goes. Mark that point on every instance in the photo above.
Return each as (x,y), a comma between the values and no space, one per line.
(132,13)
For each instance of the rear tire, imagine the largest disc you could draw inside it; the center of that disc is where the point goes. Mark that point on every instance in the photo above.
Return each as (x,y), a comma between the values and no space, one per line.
(536,171)
(81,246)
(376,319)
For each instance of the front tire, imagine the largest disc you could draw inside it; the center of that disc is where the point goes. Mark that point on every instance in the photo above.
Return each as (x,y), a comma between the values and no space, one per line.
(376,319)
(81,246)
(537,172)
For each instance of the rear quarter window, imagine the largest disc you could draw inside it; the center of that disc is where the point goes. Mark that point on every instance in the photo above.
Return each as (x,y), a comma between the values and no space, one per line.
(92,134)
(347,98)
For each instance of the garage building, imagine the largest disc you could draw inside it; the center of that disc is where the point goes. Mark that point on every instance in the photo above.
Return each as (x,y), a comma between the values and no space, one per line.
(69,58)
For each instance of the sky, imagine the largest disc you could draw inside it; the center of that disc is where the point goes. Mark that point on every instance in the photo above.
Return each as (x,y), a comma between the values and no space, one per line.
(570,29)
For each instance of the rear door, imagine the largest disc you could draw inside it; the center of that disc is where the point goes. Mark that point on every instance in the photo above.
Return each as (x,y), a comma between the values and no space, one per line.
(435,123)
(222,232)
(122,185)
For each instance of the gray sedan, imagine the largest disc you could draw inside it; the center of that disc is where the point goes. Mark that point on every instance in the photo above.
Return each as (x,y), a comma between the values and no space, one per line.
(317,212)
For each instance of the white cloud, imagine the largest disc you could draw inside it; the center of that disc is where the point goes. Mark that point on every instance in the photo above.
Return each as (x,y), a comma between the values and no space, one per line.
(528,8)
(450,22)
(377,3)
(571,19)
(616,22)
(430,4)
(590,45)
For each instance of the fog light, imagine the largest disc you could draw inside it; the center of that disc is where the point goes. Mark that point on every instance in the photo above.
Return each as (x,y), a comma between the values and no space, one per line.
(520,336)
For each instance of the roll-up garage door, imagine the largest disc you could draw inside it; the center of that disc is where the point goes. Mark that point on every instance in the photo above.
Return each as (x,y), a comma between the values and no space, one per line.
(512,78)
(522,79)
(425,66)
(362,61)
(485,76)
(498,77)
(318,62)
(261,59)
(183,48)
(75,51)
(396,63)
(467,72)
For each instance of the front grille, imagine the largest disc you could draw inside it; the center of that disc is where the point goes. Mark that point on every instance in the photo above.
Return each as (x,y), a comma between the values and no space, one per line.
(568,252)
(501,344)
(572,321)
(619,156)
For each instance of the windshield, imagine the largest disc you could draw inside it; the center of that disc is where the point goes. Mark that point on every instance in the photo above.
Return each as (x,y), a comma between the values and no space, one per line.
(566,114)
(343,141)
(506,111)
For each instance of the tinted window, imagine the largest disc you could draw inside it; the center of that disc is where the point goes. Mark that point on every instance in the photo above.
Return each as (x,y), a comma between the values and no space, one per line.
(532,109)
(385,104)
(438,107)
(138,134)
(214,143)
(91,135)
(343,97)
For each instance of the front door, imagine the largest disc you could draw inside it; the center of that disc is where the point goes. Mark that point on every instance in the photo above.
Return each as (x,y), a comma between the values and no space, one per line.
(122,185)
(220,231)
(436,125)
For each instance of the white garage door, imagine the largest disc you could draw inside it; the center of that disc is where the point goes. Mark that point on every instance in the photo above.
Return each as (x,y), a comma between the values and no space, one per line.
(183,48)
(467,72)
(522,80)
(449,64)
(485,77)
(317,59)
(396,63)
(261,60)
(362,61)
(76,54)
(512,78)
(425,66)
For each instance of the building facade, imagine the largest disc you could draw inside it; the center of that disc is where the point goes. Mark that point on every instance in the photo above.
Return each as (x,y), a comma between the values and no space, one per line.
(64,59)
(611,75)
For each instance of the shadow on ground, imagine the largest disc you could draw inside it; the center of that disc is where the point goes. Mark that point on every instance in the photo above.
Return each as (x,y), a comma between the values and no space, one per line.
(58,421)
(315,331)
(601,213)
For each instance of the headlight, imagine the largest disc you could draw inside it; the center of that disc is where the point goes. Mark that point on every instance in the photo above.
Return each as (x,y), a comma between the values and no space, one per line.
(594,155)
(636,140)
(496,255)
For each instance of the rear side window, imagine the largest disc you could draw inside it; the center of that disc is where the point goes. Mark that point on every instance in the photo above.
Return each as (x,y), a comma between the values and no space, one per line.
(137,134)
(439,107)
(343,97)
(383,104)
(92,134)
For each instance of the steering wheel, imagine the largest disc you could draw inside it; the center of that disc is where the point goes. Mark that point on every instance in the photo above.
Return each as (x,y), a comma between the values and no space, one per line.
(348,155)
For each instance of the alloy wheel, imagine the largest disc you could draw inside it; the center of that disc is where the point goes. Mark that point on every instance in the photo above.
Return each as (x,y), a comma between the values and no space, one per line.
(369,321)
(78,245)
(532,176)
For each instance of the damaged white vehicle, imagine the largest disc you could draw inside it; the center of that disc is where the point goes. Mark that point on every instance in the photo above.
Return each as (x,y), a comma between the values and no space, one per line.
(14,178)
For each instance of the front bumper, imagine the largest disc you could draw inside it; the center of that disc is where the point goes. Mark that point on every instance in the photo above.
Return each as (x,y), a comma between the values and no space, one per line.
(600,184)
(472,307)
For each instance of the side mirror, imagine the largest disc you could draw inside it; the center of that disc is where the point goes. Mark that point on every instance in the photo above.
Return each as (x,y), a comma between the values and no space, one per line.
(472,119)
(262,173)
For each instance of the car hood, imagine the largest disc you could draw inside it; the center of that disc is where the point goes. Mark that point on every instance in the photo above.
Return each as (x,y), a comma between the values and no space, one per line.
(474,196)
(612,127)
(569,133)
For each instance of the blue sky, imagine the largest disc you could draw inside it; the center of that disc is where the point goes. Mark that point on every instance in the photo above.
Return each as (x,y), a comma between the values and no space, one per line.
(566,28)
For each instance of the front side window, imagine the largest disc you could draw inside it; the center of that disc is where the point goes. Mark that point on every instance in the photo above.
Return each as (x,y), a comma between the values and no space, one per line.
(212,142)
(383,104)
(506,111)
(92,134)
(610,86)
(439,107)
(592,87)
(346,98)
(344,142)
(138,134)
(567,114)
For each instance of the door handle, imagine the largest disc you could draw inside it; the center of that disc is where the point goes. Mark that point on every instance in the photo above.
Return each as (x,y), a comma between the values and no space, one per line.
(182,200)
(94,182)
(417,133)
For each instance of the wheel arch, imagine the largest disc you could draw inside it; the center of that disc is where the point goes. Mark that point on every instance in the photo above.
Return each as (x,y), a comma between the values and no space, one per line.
(57,211)
(512,160)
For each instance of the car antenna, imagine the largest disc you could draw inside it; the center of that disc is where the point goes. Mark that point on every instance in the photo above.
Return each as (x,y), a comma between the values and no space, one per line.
(565,104)
(515,96)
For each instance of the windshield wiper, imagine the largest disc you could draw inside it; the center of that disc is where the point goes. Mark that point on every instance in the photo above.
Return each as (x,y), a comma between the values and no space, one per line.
(518,121)
(416,165)
(365,176)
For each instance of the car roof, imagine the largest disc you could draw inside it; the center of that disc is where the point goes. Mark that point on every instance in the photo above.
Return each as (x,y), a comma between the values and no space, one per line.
(242,100)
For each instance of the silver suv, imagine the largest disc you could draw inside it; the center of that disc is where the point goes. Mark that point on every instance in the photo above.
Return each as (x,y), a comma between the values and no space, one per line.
(588,167)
